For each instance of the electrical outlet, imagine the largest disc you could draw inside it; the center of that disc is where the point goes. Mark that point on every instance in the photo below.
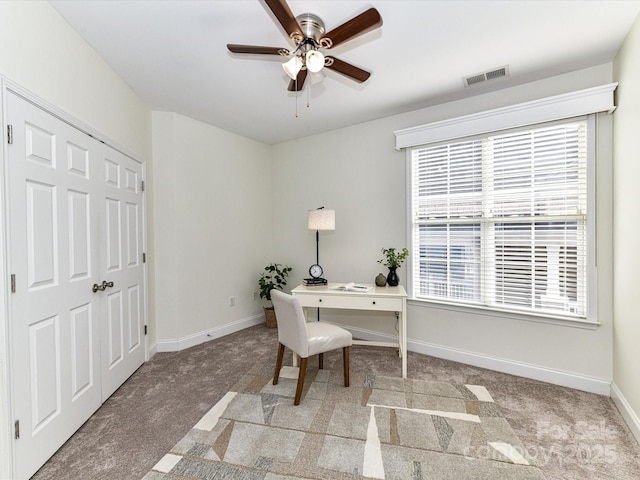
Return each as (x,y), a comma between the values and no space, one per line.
(255,295)
(232,301)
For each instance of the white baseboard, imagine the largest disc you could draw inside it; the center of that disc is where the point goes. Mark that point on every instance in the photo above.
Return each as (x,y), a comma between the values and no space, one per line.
(176,345)
(626,411)
(535,372)
(153,349)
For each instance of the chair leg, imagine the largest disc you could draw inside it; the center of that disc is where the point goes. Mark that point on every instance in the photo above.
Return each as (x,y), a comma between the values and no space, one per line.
(276,374)
(301,374)
(345,361)
(321,361)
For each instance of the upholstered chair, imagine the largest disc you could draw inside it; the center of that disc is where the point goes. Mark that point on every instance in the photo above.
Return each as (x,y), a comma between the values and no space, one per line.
(306,338)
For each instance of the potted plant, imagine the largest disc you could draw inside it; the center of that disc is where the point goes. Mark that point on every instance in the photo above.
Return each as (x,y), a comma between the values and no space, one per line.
(393,259)
(274,276)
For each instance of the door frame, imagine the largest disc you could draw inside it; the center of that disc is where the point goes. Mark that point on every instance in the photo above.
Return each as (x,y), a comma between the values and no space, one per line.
(6,395)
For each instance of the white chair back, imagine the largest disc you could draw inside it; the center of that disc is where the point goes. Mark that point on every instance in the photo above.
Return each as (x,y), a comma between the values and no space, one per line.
(292,326)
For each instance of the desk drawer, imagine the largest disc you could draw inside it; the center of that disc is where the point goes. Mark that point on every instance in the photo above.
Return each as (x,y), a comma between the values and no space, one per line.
(351,302)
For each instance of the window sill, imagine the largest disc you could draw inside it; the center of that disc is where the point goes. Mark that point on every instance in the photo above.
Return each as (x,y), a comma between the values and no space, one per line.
(506,314)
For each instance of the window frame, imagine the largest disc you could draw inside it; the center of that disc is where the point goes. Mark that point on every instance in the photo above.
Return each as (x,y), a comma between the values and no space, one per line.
(590,320)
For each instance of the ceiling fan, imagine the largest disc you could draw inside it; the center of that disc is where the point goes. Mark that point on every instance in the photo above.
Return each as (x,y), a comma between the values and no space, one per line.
(308,34)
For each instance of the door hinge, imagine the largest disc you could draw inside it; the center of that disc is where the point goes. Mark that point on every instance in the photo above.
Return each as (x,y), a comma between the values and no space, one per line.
(10,134)
(142,185)
(145,329)
(17,429)
(144,257)
(13,283)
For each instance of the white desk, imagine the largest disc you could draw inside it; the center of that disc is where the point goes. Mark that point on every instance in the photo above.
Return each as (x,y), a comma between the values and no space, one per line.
(383,299)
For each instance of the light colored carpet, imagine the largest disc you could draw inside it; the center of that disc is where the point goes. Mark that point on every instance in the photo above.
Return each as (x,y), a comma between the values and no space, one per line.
(380,427)
(569,434)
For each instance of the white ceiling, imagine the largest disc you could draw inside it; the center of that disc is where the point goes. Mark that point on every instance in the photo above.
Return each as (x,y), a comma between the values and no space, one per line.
(173,55)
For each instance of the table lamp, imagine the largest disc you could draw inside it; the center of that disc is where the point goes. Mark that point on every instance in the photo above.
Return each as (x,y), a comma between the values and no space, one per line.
(319,219)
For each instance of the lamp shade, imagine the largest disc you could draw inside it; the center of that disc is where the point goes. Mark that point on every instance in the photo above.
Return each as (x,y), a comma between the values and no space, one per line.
(315,61)
(322,219)
(292,67)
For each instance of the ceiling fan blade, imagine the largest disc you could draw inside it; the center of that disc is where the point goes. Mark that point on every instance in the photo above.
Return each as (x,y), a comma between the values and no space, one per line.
(257,50)
(286,18)
(302,75)
(358,25)
(347,69)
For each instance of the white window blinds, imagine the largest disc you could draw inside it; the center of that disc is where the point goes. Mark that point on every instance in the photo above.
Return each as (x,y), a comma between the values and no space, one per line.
(500,221)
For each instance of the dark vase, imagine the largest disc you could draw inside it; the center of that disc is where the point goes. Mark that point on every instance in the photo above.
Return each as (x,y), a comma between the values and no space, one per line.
(392,278)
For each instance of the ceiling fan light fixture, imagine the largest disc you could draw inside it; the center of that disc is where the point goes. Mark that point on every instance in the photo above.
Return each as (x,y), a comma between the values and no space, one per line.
(314,61)
(309,35)
(292,67)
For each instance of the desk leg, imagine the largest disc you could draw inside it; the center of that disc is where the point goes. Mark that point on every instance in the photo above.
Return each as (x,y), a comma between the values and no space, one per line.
(402,332)
(399,318)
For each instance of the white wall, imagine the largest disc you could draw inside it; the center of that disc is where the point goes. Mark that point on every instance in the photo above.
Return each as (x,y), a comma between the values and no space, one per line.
(626,337)
(213,232)
(41,53)
(357,172)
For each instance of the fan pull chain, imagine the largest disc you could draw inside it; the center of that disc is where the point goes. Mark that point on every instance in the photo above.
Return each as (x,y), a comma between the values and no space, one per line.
(296,96)
(308,94)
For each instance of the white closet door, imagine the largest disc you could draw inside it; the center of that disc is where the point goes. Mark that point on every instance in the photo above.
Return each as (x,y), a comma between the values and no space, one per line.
(122,311)
(55,334)
(75,221)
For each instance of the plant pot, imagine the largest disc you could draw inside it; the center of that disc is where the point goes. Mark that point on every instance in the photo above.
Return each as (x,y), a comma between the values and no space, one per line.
(270,317)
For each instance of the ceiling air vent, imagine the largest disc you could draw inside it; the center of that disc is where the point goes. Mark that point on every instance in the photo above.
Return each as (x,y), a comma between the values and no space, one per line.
(486,76)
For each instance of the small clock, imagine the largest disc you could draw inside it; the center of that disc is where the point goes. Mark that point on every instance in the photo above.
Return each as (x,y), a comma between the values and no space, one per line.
(315,271)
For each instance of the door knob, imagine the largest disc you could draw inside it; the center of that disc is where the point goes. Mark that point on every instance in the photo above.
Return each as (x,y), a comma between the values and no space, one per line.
(102,287)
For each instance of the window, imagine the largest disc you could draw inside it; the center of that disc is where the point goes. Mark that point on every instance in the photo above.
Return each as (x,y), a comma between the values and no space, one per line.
(500,220)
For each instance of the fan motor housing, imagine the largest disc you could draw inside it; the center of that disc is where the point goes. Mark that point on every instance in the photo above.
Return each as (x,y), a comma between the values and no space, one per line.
(312,26)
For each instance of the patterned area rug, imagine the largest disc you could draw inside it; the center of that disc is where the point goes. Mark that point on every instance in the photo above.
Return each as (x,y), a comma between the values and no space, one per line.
(379,427)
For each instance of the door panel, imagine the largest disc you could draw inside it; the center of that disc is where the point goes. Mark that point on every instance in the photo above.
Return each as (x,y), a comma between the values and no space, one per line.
(78,160)
(114,331)
(123,329)
(82,355)
(135,323)
(42,235)
(44,347)
(111,173)
(52,243)
(79,235)
(40,145)
(112,237)
(132,239)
